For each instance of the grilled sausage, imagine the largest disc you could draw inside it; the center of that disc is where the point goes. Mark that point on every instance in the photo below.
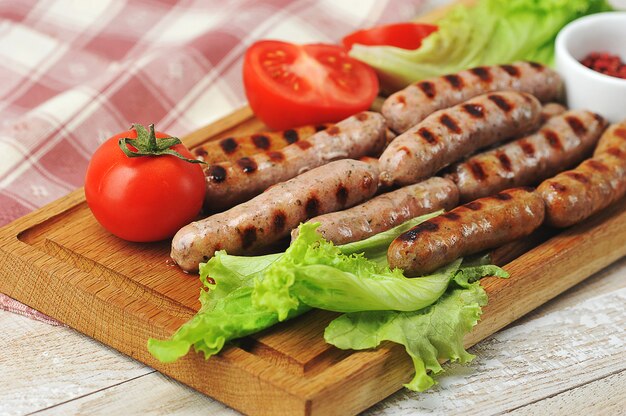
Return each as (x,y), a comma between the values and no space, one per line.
(448,135)
(615,136)
(411,105)
(550,110)
(471,228)
(386,211)
(231,183)
(561,143)
(273,214)
(230,149)
(576,194)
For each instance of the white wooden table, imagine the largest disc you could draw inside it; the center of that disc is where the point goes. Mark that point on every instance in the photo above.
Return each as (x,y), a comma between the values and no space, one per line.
(567,357)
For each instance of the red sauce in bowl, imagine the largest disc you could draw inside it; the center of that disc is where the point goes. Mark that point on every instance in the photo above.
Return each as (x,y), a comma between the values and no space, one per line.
(605,63)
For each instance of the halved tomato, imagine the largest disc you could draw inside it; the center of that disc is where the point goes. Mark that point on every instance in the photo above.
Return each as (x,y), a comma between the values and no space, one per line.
(401,35)
(289,85)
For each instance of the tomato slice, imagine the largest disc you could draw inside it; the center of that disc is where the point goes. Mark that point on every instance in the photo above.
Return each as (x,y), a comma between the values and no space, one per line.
(401,35)
(289,85)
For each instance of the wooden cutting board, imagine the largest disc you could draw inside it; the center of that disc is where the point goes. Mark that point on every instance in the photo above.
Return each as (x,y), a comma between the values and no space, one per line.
(61,262)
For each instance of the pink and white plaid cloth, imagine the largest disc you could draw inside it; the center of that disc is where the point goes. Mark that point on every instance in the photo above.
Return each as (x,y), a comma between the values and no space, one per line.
(73,73)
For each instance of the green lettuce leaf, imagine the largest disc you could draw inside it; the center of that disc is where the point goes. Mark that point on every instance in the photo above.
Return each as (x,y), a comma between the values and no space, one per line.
(491,32)
(428,335)
(342,279)
(227,311)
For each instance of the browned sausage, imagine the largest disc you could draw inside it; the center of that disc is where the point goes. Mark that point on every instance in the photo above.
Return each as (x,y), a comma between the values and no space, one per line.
(451,134)
(273,214)
(575,195)
(561,143)
(411,105)
(471,228)
(615,136)
(230,149)
(386,211)
(231,183)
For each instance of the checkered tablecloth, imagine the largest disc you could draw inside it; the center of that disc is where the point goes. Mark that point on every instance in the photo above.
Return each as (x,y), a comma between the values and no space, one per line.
(74,72)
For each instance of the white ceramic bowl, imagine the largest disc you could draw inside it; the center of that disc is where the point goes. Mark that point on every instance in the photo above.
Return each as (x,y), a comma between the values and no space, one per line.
(584,87)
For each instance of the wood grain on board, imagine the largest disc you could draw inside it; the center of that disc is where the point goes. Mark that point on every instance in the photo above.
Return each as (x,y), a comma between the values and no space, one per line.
(61,262)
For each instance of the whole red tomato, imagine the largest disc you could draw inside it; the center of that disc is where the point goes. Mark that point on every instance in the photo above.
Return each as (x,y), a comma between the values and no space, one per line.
(144,198)
(290,85)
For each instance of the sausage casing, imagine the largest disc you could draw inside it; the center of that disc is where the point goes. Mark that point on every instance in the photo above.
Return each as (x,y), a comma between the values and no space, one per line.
(561,143)
(451,134)
(615,136)
(576,194)
(387,210)
(230,149)
(228,184)
(471,228)
(407,107)
(273,214)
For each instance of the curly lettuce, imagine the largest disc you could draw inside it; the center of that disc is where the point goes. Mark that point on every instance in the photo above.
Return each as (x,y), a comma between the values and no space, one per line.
(429,335)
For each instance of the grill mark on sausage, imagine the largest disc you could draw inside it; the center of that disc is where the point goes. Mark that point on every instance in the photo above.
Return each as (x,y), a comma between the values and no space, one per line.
(428,88)
(279,218)
(553,139)
(428,135)
(320,127)
(621,133)
(527,147)
(558,187)
(482,72)
(597,165)
(449,122)
(502,196)
(474,110)
(501,102)
(477,170)
(198,151)
(228,145)
(577,126)
(276,156)
(247,165)
(454,80)
(342,195)
(511,70)
(452,216)
(248,236)
(303,144)
(333,130)
(216,173)
(424,227)
(291,136)
(312,206)
(405,150)
(362,116)
(474,205)
(536,65)
(260,141)
(598,118)
(577,176)
(505,161)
